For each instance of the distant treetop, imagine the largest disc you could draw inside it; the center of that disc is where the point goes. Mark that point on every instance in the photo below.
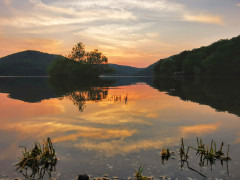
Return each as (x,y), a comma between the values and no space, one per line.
(78,53)
(79,64)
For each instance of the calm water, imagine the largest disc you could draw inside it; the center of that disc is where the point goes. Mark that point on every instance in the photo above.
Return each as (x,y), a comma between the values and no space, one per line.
(114,125)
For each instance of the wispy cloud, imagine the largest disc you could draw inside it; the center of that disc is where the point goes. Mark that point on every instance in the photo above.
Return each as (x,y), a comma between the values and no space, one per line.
(82,17)
(238,4)
(7,1)
(238,139)
(127,31)
(114,147)
(124,41)
(41,14)
(162,5)
(22,43)
(199,129)
(211,19)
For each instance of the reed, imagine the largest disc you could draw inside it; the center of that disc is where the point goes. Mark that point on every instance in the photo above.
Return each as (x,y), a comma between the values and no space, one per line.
(40,159)
(207,154)
(139,175)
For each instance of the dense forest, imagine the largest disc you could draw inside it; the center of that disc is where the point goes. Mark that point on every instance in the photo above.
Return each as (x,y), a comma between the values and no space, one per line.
(221,58)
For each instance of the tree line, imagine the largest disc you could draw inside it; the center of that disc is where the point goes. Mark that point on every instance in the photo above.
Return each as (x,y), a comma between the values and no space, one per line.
(218,59)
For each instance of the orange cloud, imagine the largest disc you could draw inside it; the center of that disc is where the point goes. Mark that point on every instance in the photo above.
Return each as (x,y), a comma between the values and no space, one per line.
(238,138)
(199,129)
(21,44)
(56,129)
(123,147)
(16,109)
(211,19)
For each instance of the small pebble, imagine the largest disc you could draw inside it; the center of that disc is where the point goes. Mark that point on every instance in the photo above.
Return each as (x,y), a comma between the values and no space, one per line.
(163,177)
(150,177)
(106,178)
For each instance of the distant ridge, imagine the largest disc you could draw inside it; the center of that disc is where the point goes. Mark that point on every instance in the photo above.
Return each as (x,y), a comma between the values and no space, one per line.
(35,63)
(219,58)
(148,71)
(121,70)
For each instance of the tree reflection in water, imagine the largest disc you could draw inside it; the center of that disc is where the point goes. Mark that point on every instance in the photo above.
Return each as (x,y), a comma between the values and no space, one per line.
(221,93)
(81,90)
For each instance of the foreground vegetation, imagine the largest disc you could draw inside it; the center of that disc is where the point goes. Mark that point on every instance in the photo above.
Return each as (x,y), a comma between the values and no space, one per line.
(35,162)
(221,58)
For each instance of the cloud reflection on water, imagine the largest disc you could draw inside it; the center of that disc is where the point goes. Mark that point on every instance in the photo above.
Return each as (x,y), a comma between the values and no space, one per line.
(150,120)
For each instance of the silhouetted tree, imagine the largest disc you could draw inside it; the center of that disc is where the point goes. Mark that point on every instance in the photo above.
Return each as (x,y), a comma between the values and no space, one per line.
(78,52)
(96,57)
(80,63)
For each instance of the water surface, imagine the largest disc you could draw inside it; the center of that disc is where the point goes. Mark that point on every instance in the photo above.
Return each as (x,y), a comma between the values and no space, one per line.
(114,125)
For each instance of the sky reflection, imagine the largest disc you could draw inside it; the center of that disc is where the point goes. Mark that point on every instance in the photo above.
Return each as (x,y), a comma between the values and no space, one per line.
(149,121)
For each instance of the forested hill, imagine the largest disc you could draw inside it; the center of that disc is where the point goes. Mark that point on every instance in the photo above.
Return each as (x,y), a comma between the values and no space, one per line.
(148,71)
(221,58)
(121,70)
(35,63)
(26,63)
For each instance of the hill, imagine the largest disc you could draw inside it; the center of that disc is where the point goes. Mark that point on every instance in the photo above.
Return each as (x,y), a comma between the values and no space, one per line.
(121,70)
(221,58)
(35,63)
(148,71)
(26,63)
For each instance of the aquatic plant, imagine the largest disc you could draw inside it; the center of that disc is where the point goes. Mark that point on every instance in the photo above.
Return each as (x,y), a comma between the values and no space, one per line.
(205,153)
(182,153)
(165,154)
(139,175)
(38,160)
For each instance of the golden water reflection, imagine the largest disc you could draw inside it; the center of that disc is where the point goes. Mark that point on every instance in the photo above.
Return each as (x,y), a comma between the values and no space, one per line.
(127,123)
(149,120)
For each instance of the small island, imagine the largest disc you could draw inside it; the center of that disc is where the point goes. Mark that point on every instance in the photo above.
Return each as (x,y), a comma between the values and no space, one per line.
(80,64)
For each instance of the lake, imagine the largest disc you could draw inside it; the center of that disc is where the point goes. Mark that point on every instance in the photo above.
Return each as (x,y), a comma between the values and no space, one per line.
(116,124)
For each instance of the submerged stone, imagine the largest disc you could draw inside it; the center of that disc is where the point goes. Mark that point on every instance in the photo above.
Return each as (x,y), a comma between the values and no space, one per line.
(83,177)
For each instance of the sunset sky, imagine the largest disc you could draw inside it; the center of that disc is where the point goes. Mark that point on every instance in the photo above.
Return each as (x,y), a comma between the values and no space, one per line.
(129,32)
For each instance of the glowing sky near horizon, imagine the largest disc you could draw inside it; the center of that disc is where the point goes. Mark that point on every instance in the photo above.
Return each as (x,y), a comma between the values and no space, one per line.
(129,32)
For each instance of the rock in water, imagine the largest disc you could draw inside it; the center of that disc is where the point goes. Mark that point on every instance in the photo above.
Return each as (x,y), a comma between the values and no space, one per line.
(83,177)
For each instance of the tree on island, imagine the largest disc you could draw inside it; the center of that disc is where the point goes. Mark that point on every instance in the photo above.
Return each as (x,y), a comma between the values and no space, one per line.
(80,63)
